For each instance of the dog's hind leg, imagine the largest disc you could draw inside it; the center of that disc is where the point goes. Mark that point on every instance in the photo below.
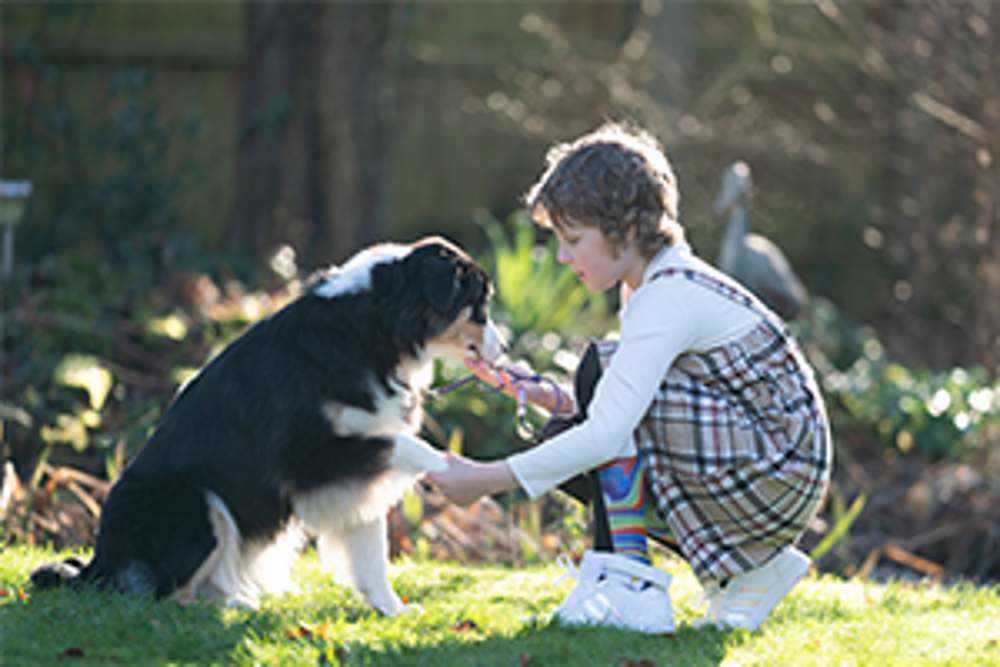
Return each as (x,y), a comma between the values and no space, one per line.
(219,571)
(359,555)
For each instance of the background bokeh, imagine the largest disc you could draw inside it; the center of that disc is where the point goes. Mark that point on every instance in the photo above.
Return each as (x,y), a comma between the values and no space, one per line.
(192,161)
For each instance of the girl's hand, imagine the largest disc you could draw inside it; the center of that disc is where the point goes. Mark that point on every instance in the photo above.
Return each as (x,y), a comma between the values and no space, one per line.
(511,380)
(500,377)
(466,481)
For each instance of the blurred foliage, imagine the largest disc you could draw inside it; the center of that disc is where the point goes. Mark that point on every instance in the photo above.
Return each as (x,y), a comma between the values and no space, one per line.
(96,337)
(870,129)
(111,305)
(950,414)
(89,375)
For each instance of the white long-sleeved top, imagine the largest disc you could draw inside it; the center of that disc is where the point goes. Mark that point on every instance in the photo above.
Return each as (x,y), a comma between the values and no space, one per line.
(659,321)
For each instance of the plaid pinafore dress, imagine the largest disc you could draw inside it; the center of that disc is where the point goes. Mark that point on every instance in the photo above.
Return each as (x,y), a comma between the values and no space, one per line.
(736,442)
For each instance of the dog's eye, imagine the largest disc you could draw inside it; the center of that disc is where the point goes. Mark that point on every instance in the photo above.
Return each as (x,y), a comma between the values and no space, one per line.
(478,315)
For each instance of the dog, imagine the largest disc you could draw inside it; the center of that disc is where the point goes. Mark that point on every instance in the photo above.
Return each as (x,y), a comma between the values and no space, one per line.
(306,426)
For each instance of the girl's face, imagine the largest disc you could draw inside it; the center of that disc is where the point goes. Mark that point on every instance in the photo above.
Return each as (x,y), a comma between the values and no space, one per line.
(586,252)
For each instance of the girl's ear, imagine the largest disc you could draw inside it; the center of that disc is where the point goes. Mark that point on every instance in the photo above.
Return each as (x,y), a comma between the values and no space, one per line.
(630,234)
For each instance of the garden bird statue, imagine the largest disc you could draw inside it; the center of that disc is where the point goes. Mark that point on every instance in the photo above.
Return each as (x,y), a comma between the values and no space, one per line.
(753,259)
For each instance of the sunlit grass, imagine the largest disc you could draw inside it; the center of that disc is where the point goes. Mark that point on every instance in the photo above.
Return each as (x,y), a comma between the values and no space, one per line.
(488,616)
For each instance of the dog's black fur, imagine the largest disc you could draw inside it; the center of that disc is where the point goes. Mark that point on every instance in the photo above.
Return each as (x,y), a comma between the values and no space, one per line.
(313,407)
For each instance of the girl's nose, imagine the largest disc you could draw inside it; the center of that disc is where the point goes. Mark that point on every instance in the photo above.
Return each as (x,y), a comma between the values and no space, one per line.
(562,256)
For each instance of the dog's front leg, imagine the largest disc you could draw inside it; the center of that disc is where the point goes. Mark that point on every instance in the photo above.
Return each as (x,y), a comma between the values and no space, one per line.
(412,454)
(363,552)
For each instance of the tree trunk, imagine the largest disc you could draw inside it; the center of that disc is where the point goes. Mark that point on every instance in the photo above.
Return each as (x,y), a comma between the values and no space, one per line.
(987,195)
(318,84)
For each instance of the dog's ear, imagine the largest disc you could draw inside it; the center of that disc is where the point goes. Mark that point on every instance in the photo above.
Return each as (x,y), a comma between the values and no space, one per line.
(441,281)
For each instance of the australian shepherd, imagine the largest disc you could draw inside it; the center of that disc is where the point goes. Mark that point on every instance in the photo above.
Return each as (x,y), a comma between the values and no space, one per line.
(305,426)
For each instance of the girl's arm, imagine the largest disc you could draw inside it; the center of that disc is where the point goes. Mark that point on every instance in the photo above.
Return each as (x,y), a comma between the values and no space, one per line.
(656,327)
(465,480)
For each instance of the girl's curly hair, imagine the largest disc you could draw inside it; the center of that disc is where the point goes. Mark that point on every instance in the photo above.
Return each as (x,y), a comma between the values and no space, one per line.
(614,178)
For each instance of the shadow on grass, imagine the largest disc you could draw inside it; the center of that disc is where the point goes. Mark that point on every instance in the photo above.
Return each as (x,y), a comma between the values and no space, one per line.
(103,628)
(326,624)
(542,644)
(48,627)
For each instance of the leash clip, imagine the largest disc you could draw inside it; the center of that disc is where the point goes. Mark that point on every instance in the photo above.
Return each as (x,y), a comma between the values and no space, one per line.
(517,384)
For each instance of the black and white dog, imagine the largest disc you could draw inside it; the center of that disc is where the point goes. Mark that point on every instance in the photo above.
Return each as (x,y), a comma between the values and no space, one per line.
(306,424)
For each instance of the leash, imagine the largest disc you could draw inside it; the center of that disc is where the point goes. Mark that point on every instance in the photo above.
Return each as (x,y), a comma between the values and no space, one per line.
(517,383)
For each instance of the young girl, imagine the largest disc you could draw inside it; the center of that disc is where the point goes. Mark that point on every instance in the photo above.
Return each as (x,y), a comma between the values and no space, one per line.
(706,426)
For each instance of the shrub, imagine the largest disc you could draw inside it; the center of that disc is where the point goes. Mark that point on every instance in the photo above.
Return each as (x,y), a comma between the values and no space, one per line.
(943,414)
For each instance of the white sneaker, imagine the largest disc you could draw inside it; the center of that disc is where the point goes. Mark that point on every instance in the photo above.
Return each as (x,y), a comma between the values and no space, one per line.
(750,597)
(618,591)
(572,607)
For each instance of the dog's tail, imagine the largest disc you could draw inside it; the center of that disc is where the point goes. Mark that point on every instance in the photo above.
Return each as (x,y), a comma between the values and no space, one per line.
(134,576)
(60,573)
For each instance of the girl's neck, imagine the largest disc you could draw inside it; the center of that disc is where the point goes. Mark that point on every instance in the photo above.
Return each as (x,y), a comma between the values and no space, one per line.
(633,277)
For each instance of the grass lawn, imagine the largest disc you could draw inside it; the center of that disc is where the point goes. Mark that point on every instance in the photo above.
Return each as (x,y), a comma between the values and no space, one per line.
(488,616)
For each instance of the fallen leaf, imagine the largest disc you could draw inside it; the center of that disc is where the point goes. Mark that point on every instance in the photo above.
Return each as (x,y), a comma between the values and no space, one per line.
(464,626)
(300,630)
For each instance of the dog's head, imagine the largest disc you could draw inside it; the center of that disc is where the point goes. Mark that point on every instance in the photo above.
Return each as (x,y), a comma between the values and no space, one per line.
(433,295)
(454,299)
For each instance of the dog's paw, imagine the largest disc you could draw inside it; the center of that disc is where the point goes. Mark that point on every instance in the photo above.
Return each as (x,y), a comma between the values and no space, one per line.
(241,603)
(412,609)
(436,463)
(390,608)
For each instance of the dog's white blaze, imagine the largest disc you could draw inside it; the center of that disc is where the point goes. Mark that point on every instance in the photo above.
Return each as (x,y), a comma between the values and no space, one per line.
(356,274)
(493,345)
